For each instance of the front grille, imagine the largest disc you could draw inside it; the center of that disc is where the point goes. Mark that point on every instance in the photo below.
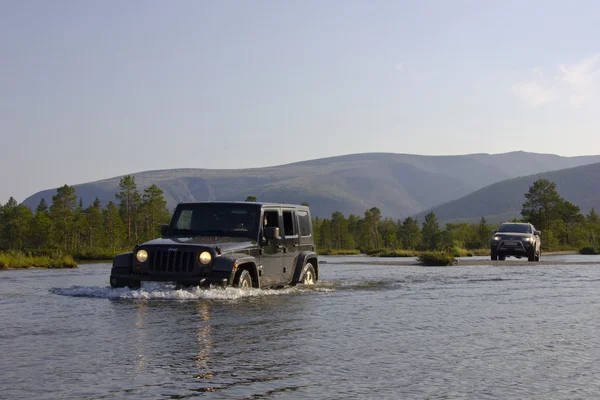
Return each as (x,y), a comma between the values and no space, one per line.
(171,261)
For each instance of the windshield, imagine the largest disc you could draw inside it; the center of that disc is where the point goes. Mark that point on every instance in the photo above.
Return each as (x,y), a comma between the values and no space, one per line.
(216,219)
(518,228)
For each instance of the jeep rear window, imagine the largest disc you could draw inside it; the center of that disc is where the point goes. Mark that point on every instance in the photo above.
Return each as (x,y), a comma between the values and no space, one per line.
(304,223)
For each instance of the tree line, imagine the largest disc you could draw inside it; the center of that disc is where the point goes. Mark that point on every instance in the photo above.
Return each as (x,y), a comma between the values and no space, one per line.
(561,222)
(136,217)
(67,226)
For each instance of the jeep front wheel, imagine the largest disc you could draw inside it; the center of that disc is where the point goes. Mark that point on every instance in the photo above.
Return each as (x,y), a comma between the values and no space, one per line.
(244,279)
(309,277)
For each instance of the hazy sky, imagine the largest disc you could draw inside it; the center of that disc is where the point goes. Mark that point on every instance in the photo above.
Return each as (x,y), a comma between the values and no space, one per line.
(96,89)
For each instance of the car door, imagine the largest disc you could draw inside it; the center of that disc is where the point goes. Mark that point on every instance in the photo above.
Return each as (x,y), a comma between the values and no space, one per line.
(271,258)
(290,243)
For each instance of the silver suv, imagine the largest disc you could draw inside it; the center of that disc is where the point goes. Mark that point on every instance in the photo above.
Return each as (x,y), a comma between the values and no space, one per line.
(518,239)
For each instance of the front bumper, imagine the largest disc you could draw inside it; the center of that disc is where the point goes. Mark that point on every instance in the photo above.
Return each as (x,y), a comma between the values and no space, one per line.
(512,247)
(120,277)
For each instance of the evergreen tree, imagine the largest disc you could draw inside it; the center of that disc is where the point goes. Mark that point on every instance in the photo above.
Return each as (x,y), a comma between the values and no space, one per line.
(484,233)
(113,227)
(154,210)
(409,233)
(325,236)
(61,214)
(371,227)
(541,204)
(340,238)
(387,230)
(40,229)
(15,219)
(431,231)
(93,224)
(129,201)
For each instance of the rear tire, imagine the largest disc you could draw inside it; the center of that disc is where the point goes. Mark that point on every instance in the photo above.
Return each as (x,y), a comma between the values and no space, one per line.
(244,280)
(309,277)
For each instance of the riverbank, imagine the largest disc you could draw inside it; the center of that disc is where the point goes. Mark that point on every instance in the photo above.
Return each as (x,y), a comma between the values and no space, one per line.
(463,261)
(22,261)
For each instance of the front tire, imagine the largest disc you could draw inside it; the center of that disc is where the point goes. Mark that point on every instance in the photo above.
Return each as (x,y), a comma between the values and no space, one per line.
(121,283)
(493,256)
(309,277)
(244,280)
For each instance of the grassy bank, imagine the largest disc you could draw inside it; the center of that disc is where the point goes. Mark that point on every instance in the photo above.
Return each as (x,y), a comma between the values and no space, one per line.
(17,260)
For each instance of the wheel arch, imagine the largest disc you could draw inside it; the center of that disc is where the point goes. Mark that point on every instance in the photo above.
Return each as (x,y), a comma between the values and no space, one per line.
(303,259)
(250,266)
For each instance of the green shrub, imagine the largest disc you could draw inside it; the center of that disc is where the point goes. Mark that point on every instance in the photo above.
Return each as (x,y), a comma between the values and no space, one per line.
(13,259)
(399,253)
(341,252)
(436,258)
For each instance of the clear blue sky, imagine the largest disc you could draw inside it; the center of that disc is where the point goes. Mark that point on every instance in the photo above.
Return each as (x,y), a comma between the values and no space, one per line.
(96,89)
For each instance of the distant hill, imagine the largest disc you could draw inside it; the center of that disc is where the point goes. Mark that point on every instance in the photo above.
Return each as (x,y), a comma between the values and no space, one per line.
(400,185)
(503,200)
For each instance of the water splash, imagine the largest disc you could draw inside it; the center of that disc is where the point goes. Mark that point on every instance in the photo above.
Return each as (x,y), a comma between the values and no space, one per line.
(162,291)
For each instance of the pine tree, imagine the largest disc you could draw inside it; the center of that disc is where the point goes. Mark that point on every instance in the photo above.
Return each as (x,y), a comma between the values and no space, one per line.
(431,231)
(61,214)
(154,210)
(129,202)
(40,228)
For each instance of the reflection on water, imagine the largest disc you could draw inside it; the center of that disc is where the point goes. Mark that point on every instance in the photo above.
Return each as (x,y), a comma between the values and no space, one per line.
(365,331)
(205,341)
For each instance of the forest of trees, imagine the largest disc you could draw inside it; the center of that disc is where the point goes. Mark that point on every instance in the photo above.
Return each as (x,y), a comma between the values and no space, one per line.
(96,231)
(135,217)
(562,224)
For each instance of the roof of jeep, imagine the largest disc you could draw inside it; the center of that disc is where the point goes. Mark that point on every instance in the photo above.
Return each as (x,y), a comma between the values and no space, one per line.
(259,203)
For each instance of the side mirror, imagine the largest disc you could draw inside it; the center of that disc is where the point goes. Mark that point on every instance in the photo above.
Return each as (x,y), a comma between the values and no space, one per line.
(493,231)
(271,233)
(537,233)
(163,229)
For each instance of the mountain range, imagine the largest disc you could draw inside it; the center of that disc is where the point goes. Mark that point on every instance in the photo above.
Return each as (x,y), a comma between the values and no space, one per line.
(400,185)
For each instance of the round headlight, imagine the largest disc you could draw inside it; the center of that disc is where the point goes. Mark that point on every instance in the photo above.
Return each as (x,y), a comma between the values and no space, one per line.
(496,237)
(204,257)
(141,256)
(528,239)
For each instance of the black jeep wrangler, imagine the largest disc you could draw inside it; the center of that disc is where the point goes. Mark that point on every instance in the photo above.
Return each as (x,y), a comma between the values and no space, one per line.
(244,244)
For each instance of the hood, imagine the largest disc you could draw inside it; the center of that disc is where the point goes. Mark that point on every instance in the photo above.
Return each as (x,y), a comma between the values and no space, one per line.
(513,234)
(225,244)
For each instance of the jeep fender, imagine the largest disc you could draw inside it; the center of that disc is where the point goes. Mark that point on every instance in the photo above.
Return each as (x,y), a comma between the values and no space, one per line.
(232,263)
(123,261)
(303,258)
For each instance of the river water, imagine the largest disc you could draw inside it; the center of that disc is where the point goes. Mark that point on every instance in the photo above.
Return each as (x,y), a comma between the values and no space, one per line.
(363,332)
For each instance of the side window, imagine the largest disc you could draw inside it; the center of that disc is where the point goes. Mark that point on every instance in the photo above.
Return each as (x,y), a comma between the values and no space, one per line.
(270,219)
(304,223)
(289,223)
